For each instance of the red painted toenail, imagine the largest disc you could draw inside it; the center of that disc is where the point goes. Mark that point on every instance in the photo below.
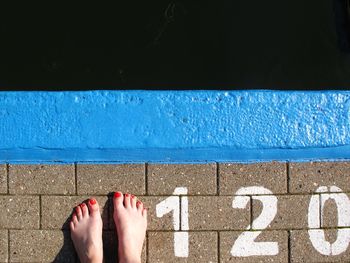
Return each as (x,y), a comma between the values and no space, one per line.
(82,205)
(77,209)
(138,203)
(117,194)
(132,196)
(92,201)
(126,195)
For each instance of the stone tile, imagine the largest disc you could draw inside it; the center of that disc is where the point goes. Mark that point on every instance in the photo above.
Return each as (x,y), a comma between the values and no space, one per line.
(3,246)
(330,210)
(302,249)
(57,210)
(110,245)
(200,179)
(42,179)
(272,176)
(227,240)
(19,212)
(307,177)
(104,179)
(216,213)
(202,247)
(154,222)
(3,179)
(41,246)
(292,211)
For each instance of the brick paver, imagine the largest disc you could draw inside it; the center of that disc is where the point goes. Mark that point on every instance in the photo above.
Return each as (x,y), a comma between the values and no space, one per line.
(104,179)
(57,210)
(157,223)
(41,179)
(221,203)
(3,246)
(202,247)
(307,177)
(228,239)
(292,211)
(41,246)
(302,249)
(3,179)
(272,176)
(216,213)
(330,210)
(19,212)
(200,179)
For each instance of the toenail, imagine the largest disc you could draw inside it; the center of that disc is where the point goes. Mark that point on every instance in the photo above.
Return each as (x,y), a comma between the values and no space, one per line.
(126,195)
(77,209)
(92,201)
(82,205)
(117,194)
(132,196)
(138,203)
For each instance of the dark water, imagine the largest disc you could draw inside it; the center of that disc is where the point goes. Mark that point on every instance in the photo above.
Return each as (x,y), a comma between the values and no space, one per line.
(208,44)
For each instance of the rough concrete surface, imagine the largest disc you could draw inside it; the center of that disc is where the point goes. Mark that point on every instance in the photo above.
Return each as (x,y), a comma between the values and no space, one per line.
(209,223)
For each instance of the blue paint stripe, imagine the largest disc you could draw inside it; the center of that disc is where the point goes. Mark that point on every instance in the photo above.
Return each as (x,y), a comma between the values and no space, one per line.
(200,155)
(174,126)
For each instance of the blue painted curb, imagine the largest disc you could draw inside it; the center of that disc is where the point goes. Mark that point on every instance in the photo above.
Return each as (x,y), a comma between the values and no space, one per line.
(174,126)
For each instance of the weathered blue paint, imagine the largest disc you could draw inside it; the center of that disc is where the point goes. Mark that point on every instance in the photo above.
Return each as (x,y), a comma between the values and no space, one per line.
(174,126)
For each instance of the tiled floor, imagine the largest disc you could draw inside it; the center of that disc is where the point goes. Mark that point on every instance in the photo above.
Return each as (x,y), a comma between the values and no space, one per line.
(197,213)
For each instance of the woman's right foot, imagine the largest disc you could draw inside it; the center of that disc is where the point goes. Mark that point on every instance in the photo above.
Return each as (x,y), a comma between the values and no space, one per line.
(130,219)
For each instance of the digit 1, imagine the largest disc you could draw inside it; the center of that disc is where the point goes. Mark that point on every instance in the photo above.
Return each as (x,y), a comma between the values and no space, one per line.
(172,203)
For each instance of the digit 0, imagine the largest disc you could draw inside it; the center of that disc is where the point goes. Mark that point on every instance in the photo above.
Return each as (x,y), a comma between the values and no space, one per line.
(317,236)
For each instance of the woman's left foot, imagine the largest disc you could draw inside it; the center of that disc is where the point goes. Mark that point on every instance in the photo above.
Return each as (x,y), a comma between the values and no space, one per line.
(86,232)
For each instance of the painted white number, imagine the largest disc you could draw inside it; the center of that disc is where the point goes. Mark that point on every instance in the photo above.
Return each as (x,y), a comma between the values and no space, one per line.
(172,203)
(245,245)
(317,236)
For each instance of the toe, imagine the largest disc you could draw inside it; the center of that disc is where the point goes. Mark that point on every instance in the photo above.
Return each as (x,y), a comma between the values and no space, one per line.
(139,205)
(133,200)
(84,209)
(75,219)
(71,225)
(127,198)
(144,212)
(94,208)
(118,199)
(78,212)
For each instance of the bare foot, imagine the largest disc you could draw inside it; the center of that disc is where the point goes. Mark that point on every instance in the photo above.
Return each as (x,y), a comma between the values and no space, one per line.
(86,232)
(130,219)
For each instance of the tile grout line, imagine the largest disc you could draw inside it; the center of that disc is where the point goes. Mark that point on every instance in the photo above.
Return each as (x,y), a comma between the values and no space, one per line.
(8,245)
(147,247)
(40,212)
(8,177)
(146,193)
(251,212)
(288,177)
(146,179)
(320,210)
(218,246)
(289,248)
(76,177)
(217,180)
